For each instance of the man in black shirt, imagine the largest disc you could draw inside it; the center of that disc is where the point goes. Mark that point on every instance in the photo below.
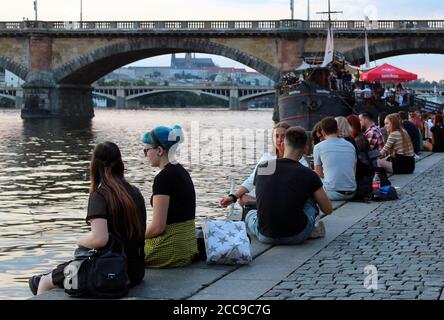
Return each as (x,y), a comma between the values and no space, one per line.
(411,129)
(285,190)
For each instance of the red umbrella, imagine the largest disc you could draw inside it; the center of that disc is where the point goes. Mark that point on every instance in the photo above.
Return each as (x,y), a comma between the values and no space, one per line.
(388,73)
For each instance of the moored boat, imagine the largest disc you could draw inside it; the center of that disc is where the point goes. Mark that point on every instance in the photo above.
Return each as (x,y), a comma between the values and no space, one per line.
(307,103)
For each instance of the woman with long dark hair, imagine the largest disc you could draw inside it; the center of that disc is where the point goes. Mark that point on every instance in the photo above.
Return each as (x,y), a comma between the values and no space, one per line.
(114,207)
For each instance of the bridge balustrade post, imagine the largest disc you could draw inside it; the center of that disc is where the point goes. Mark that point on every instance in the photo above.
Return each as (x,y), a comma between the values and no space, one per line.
(423,24)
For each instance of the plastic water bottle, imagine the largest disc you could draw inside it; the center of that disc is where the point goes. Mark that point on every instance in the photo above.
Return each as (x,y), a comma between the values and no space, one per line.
(376,184)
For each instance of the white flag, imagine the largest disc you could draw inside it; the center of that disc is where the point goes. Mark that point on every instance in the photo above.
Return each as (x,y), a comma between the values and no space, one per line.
(367,54)
(329,48)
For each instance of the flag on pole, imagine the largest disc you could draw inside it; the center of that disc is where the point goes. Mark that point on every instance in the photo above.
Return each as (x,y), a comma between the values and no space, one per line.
(329,48)
(367,54)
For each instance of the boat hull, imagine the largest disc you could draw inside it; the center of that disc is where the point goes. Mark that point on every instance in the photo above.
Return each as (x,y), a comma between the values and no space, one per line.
(305,106)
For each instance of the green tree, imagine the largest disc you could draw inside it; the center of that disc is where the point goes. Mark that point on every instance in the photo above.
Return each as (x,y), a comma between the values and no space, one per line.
(140,83)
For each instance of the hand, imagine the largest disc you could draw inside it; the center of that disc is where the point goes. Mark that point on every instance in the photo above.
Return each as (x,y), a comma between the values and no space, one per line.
(225,202)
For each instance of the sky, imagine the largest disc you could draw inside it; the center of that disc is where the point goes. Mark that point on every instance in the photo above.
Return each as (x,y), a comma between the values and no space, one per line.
(427,66)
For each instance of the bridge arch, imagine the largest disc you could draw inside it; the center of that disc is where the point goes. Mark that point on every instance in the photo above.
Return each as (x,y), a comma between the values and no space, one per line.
(7,96)
(397,46)
(154,92)
(90,67)
(198,92)
(255,95)
(104,95)
(16,68)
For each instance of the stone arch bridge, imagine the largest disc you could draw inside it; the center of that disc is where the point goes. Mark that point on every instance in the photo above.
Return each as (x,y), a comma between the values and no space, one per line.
(236,96)
(60,60)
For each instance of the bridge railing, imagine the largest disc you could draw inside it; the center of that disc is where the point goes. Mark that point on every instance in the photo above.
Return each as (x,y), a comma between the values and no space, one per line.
(258,25)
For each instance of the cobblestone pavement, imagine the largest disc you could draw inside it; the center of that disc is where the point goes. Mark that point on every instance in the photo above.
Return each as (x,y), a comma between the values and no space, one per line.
(403,239)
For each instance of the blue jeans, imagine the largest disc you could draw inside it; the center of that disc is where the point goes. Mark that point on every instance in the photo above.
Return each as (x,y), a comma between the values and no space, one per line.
(311,211)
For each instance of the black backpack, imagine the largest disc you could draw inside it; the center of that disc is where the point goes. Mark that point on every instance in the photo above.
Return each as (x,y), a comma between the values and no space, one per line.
(98,273)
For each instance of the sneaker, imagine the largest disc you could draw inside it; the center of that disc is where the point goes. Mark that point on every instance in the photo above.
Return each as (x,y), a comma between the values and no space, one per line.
(318,231)
(33,283)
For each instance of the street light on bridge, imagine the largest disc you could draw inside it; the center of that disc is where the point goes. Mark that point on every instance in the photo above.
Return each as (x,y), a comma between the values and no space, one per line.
(292,9)
(308,10)
(81,13)
(35,10)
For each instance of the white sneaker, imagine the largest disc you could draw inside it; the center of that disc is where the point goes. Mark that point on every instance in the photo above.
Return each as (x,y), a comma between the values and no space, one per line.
(318,231)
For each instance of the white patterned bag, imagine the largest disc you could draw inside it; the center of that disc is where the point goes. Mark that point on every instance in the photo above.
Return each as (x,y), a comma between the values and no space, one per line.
(226,242)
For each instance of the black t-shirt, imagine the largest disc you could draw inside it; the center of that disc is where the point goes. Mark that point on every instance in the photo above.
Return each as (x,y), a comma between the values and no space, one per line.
(438,135)
(134,247)
(281,197)
(413,132)
(175,181)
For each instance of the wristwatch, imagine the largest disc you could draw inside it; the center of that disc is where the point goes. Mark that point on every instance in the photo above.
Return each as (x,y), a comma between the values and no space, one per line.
(233,197)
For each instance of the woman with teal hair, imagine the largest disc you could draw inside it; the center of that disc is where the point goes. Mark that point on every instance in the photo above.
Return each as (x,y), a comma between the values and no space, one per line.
(170,238)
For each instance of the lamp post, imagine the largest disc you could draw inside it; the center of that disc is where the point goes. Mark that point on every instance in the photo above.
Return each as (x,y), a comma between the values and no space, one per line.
(292,9)
(81,13)
(35,10)
(308,10)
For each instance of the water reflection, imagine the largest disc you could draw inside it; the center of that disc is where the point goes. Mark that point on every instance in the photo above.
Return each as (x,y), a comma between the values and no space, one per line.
(44,178)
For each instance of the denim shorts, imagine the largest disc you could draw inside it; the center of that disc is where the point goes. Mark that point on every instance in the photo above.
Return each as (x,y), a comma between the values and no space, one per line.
(311,211)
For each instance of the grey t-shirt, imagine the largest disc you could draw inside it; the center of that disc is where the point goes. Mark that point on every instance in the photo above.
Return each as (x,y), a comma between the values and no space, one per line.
(338,159)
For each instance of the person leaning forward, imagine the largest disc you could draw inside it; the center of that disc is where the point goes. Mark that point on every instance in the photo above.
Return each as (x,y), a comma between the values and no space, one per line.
(287,196)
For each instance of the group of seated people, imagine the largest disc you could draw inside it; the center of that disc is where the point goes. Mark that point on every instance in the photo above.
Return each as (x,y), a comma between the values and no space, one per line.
(287,200)
(287,191)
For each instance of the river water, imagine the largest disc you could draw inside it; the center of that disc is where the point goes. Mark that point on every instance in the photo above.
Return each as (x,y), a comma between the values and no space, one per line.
(44,177)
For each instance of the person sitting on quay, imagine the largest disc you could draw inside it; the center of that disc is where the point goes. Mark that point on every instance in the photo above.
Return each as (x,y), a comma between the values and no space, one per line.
(426,133)
(285,189)
(335,162)
(411,129)
(381,126)
(114,207)
(365,166)
(246,192)
(345,130)
(397,155)
(416,120)
(171,235)
(316,135)
(371,131)
(438,134)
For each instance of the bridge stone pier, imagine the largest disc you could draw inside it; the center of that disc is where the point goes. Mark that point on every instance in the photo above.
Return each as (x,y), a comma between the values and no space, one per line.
(59,61)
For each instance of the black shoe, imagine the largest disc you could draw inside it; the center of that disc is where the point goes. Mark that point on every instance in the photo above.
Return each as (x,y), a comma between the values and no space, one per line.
(34,284)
